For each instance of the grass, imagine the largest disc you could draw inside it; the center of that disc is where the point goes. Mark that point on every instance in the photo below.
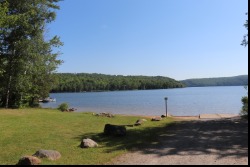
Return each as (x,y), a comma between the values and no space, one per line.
(24,131)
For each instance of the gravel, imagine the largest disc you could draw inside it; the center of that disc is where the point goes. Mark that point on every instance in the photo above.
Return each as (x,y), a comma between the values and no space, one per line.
(195,142)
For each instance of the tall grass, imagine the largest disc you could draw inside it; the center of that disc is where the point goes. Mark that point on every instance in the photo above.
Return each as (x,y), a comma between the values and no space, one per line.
(24,131)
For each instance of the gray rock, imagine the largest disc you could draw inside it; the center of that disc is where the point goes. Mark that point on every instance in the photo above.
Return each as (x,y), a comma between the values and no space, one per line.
(156,119)
(104,114)
(50,154)
(115,130)
(138,122)
(86,143)
(29,160)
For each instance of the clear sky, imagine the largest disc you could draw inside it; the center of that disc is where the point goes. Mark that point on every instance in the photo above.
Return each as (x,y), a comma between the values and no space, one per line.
(180,39)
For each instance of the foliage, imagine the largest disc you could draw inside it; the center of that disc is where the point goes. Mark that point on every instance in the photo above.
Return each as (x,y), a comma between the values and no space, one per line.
(244,110)
(64,131)
(69,82)
(244,100)
(245,37)
(222,81)
(63,107)
(27,61)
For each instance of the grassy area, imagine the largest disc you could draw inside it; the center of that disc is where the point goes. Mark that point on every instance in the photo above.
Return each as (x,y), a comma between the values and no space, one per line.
(24,131)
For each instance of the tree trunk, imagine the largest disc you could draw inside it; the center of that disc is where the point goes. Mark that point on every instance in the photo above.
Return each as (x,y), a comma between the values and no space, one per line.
(8,93)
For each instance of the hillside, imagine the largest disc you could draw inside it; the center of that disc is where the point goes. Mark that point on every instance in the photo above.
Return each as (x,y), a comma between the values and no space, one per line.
(240,80)
(80,82)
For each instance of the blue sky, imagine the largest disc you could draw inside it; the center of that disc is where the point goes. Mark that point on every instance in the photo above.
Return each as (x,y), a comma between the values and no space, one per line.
(180,39)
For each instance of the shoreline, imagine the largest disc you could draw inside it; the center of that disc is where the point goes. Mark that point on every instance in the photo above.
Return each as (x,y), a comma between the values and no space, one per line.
(197,117)
(182,117)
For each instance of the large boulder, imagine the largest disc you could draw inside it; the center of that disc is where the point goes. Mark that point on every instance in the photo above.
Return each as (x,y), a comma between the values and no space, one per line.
(115,130)
(29,160)
(50,154)
(156,119)
(86,143)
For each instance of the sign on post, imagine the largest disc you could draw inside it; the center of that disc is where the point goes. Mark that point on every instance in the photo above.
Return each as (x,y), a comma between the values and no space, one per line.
(166,99)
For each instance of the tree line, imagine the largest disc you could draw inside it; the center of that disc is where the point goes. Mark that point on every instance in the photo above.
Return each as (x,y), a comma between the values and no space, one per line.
(80,82)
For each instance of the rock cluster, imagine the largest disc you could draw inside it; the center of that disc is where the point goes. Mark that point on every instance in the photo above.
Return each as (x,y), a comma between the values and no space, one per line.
(112,130)
(104,114)
(34,159)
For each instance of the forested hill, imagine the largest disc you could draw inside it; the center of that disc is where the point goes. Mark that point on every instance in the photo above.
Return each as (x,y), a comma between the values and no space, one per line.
(80,82)
(240,80)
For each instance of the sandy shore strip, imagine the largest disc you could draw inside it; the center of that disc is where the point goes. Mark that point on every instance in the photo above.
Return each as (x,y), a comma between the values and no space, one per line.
(201,116)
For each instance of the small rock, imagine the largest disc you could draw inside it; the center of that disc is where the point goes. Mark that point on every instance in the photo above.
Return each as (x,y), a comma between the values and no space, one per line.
(163,116)
(139,122)
(86,143)
(29,160)
(50,154)
(70,110)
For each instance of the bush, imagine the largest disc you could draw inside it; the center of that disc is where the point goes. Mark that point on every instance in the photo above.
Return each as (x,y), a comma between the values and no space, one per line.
(63,107)
(244,110)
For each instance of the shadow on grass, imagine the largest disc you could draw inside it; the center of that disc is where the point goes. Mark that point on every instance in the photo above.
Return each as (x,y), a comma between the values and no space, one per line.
(222,137)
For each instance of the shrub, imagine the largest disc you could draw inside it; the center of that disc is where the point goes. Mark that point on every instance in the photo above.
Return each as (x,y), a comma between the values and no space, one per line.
(244,110)
(63,107)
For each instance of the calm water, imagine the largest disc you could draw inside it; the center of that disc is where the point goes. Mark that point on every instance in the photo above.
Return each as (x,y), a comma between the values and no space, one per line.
(181,102)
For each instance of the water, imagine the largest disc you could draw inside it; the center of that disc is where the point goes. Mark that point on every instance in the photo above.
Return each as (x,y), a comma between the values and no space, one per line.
(190,101)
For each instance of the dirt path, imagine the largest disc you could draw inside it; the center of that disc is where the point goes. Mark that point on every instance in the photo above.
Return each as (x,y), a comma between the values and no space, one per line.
(196,142)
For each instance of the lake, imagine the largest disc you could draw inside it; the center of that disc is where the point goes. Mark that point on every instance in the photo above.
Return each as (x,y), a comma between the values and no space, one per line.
(190,101)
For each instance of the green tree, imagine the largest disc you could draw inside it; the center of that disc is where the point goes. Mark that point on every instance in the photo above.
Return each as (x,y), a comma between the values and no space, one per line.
(27,60)
(245,37)
(244,100)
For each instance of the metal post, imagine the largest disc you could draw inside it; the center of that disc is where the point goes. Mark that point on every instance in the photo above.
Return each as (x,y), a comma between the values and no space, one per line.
(166,106)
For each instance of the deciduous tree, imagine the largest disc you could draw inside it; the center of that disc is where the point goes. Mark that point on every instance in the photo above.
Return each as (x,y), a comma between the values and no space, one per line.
(27,60)
(245,37)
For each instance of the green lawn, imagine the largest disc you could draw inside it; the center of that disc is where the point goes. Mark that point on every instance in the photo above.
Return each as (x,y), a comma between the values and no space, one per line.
(24,131)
